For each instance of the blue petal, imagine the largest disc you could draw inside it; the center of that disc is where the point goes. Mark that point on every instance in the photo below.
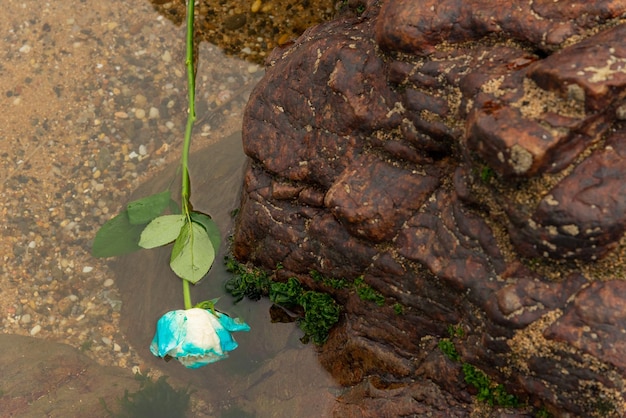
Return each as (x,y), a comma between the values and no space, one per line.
(229,324)
(232,324)
(170,332)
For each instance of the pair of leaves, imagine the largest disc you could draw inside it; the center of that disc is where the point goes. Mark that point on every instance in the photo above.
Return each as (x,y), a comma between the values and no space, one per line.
(196,240)
(140,225)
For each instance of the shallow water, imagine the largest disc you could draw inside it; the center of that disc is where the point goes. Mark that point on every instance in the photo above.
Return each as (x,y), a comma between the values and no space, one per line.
(271,373)
(92,105)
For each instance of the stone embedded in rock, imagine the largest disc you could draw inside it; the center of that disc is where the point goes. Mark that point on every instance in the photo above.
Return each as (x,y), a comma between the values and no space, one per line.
(584,215)
(565,108)
(592,71)
(529,298)
(512,145)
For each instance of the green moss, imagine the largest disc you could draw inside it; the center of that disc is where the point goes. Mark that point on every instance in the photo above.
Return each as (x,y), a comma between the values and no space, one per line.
(252,283)
(398,308)
(321,312)
(338,284)
(456,331)
(543,413)
(494,395)
(447,347)
(362,289)
(366,292)
(287,293)
(486,173)
(155,399)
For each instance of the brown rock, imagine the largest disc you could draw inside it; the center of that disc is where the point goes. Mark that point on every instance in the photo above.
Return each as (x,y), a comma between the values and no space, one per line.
(376,398)
(454,244)
(375,210)
(511,144)
(584,215)
(450,179)
(527,300)
(591,72)
(595,322)
(577,89)
(47,377)
(418,27)
(342,96)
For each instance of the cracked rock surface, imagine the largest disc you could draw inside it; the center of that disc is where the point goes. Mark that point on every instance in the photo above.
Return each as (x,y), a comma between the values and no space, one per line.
(466,159)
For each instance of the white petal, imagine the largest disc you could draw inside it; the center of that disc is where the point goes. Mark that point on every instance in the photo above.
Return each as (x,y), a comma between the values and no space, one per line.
(200,335)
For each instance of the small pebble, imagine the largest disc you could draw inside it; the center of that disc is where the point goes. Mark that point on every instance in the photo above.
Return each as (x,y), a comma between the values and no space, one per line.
(106,340)
(116,347)
(25,319)
(35,330)
(140,114)
(87,269)
(25,49)
(140,100)
(121,115)
(153,113)
(620,112)
(284,38)
(167,57)
(143,150)
(32,244)
(108,282)
(256,6)
(65,306)
(235,22)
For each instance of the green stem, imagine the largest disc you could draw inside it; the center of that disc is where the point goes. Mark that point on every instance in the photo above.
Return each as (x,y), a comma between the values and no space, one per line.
(187,295)
(191,116)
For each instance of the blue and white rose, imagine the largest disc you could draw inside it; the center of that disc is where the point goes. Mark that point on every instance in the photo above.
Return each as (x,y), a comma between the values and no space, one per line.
(196,337)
